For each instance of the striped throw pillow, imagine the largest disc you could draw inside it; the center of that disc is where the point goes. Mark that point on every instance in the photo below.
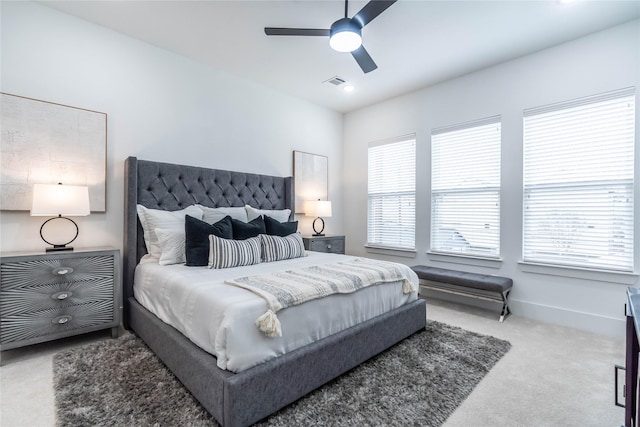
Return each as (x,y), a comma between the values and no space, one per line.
(276,248)
(226,253)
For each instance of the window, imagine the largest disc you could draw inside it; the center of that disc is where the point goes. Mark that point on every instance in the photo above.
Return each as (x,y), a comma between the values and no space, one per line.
(578,182)
(392,194)
(465,189)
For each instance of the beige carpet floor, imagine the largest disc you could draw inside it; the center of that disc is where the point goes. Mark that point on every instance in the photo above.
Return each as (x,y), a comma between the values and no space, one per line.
(552,376)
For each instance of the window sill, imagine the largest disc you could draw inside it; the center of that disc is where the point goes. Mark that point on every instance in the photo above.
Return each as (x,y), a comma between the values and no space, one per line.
(400,252)
(476,261)
(610,276)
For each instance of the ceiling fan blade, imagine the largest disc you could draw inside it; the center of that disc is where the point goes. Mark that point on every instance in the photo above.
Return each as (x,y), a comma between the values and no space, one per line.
(371,10)
(363,59)
(296,32)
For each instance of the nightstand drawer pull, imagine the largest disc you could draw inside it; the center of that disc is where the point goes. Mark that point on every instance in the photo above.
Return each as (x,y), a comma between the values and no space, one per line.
(62,270)
(62,295)
(61,320)
(328,246)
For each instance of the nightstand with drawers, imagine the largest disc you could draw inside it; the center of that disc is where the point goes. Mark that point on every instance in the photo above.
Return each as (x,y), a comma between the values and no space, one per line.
(46,296)
(330,244)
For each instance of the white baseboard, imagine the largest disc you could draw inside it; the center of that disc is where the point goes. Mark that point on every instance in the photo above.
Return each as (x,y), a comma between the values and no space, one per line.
(589,322)
(594,323)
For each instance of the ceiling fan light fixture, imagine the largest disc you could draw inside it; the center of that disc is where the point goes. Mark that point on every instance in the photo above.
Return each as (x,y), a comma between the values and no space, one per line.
(345,35)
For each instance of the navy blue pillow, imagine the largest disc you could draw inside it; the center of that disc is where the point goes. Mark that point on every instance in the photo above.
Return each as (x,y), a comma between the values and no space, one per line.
(197,232)
(246,230)
(277,228)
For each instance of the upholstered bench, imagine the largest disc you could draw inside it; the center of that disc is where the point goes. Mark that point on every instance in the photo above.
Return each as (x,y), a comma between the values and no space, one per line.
(482,286)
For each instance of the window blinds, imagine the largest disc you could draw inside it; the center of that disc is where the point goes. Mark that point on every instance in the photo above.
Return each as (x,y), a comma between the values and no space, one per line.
(578,182)
(465,188)
(391,195)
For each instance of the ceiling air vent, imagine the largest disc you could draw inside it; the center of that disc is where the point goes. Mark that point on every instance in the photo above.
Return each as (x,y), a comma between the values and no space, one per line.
(335,80)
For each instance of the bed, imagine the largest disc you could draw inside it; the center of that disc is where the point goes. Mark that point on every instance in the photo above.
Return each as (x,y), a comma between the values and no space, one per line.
(242,398)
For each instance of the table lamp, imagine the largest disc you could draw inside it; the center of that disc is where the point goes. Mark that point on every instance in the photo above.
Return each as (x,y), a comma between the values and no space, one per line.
(60,201)
(318,208)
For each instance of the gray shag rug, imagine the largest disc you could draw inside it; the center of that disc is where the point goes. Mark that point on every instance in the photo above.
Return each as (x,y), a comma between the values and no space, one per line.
(419,382)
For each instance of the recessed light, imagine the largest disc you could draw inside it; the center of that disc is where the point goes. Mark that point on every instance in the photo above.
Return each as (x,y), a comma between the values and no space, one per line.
(348,88)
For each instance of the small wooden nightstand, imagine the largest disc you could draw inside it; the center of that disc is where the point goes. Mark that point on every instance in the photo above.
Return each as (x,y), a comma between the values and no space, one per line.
(330,244)
(46,296)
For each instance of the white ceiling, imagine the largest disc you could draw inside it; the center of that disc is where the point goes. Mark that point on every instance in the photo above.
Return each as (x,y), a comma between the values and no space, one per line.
(415,43)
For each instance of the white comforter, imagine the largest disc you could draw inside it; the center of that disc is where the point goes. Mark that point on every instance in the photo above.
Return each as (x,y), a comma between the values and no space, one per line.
(220,318)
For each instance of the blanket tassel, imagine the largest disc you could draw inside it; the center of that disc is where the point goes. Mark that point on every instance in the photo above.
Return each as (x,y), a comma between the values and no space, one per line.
(408,287)
(269,324)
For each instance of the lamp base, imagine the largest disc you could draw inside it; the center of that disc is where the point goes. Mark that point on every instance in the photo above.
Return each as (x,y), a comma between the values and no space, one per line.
(58,248)
(62,247)
(318,232)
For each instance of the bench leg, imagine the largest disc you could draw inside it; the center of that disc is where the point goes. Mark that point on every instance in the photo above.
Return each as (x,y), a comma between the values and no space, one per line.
(506,311)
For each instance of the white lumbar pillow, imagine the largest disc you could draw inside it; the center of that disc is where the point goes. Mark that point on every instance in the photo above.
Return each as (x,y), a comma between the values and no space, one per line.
(281,215)
(213,215)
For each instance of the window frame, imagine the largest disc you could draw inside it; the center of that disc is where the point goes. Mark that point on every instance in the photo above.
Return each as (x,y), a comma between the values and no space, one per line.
(569,257)
(379,243)
(495,188)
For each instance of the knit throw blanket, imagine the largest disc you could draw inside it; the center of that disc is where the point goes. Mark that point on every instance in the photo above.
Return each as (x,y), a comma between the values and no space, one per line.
(293,287)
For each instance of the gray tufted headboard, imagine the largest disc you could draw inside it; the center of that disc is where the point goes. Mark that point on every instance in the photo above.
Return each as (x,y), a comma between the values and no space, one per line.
(172,187)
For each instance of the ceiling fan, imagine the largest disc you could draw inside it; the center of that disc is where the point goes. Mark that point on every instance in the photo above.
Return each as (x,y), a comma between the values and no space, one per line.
(345,35)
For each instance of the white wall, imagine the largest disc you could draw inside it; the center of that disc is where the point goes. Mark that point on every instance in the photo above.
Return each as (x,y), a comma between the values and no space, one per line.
(165,107)
(160,106)
(597,63)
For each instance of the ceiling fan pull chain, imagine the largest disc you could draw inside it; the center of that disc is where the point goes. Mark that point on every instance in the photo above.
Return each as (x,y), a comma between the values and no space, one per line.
(346,8)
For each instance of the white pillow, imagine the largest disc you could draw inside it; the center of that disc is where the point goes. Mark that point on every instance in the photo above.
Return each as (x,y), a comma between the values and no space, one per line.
(280,215)
(213,215)
(226,253)
(276,248)
(171,243)
(156,218)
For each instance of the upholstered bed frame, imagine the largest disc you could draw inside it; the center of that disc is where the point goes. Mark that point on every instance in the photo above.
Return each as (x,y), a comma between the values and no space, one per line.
(240,399)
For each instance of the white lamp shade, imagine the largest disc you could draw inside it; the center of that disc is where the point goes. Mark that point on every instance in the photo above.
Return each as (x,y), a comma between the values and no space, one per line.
(318,208)
(58,199)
